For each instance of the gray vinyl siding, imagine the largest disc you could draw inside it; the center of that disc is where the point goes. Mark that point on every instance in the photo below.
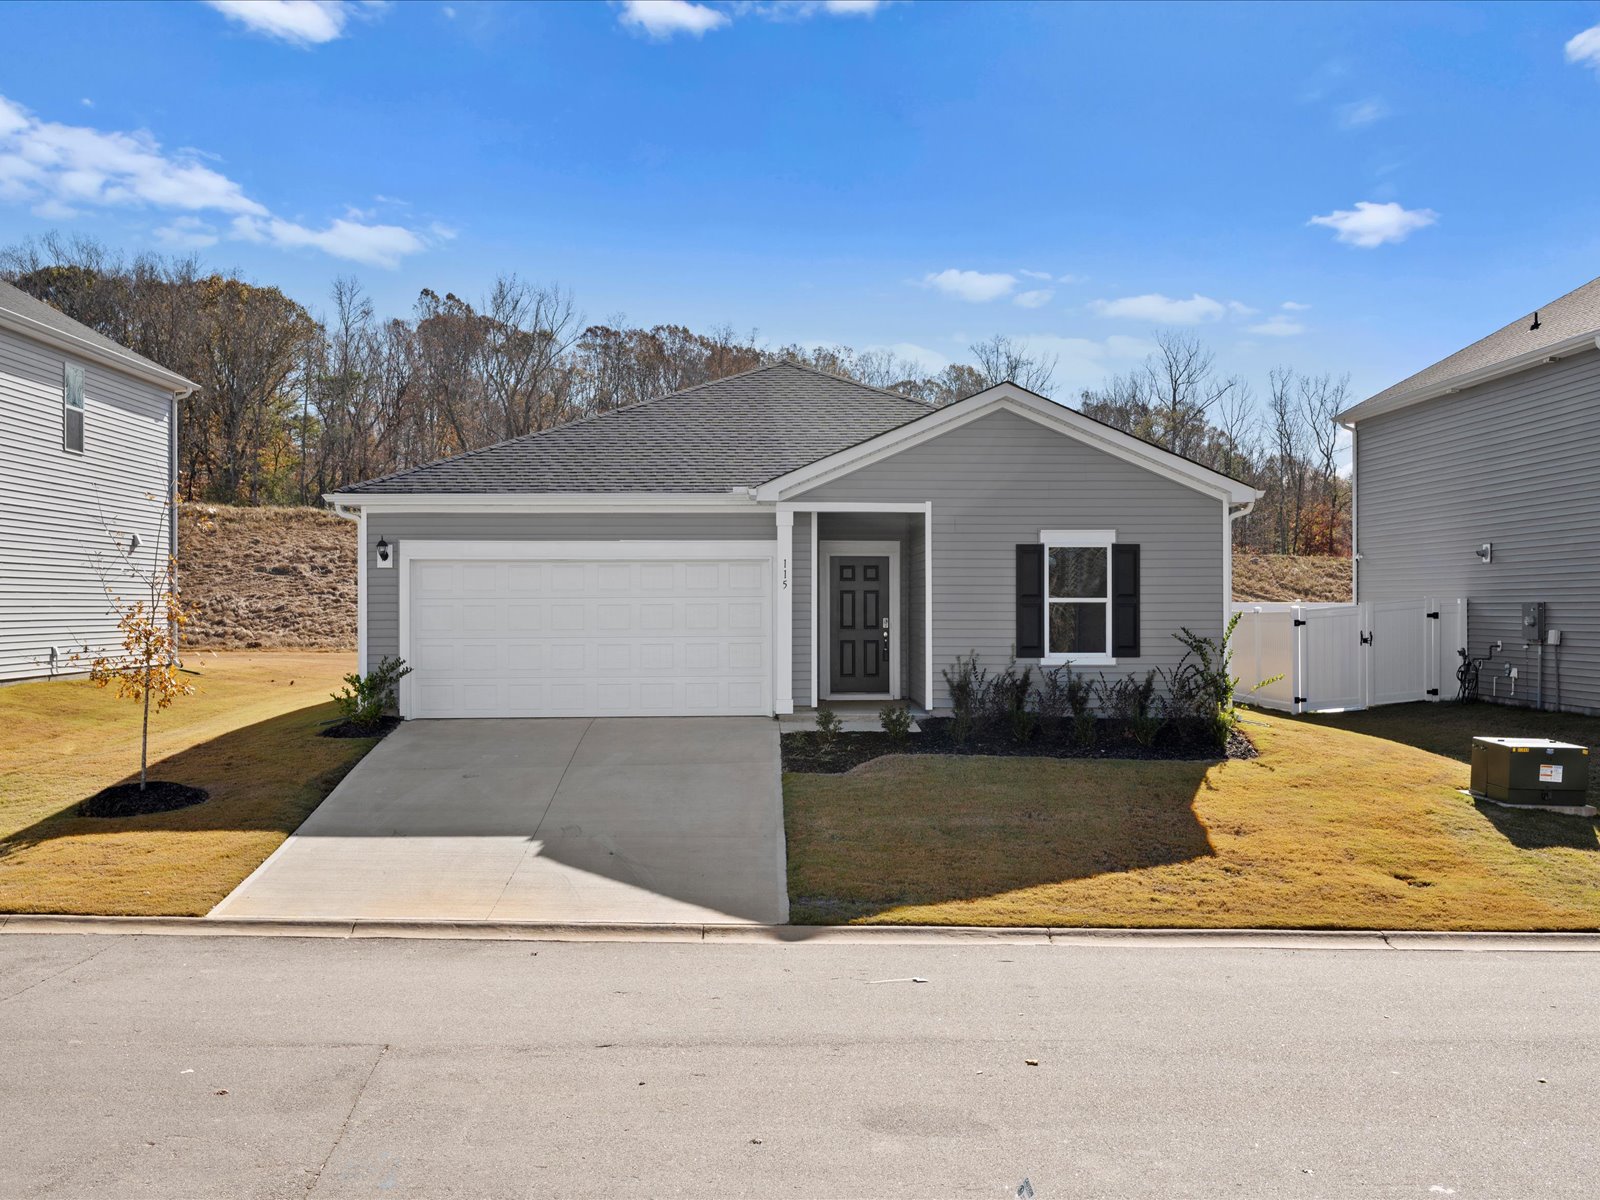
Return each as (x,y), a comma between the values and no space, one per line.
(383,585)
(1512,462)
(996,482)
(881,527)
(800,571)
(57,505)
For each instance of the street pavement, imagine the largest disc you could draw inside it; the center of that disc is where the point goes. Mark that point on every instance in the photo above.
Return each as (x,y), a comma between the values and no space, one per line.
(281,1067)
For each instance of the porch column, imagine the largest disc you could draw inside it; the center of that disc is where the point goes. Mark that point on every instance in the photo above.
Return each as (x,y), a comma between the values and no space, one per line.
(783,614)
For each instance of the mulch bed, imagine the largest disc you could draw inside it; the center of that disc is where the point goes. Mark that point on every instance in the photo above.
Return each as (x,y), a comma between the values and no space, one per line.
(349,729)
(802,753)
(130,800)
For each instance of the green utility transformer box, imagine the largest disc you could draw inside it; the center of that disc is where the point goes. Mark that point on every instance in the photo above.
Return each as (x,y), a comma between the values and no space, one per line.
(1530,771)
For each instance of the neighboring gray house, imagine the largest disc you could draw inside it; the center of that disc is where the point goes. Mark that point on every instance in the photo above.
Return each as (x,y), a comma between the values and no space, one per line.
(87,434)
(1480,478)
(778,537)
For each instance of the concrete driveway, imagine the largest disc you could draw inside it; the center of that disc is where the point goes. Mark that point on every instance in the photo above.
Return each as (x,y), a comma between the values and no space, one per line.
(663,820)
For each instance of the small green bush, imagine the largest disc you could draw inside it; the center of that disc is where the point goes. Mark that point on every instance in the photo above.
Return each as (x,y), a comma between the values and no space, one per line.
(896,722)
(969,697)
(1080,693)
(1050,700)
(1202,686)
(366,698)
(1132,701)
(828,725)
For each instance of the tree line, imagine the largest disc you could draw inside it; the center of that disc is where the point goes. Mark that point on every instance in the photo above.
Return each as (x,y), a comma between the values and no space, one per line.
(292,405)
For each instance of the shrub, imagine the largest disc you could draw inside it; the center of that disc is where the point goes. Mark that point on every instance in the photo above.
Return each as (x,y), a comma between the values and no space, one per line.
(366,698)
(828,726)
(969,695)
(1080,702)
(1006,705)
(1051,704)
(896,722)
(1203,683)
(1132,701)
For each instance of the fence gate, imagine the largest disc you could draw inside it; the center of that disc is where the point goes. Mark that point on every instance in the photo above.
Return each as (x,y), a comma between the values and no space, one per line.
(1348,656)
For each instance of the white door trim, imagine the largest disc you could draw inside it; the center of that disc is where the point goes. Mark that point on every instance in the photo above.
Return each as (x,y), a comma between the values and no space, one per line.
(849,548)
(409,550)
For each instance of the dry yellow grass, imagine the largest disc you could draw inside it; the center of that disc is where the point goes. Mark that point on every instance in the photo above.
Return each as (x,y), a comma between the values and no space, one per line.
(1285,577)
(1327,829)
(249,736)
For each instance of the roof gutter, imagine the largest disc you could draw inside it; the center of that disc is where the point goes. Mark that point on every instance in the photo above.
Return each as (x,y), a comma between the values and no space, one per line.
(139,368)
(1459,383)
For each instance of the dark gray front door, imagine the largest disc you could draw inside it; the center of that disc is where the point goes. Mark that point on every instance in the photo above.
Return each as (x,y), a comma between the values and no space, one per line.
(858,633)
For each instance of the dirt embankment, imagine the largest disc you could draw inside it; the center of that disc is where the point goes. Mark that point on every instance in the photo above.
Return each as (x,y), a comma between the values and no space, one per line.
(1281,577)
(264,577)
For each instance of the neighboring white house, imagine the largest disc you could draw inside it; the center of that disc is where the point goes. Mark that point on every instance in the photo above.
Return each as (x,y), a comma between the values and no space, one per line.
(88,450)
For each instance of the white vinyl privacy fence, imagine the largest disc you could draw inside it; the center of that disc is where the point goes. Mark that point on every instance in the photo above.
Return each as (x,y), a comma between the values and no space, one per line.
(1331,657)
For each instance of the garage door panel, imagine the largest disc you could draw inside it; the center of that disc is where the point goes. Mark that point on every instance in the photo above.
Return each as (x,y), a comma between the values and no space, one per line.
(574,638)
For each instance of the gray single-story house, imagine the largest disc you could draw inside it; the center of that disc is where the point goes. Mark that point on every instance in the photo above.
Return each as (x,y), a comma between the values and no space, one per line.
(88,435)
(1477,477)
(774,539)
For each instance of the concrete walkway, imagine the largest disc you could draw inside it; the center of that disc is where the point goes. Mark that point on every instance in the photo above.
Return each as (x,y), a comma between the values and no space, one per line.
(658,821)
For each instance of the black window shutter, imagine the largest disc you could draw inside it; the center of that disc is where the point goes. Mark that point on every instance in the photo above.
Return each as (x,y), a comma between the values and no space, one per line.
(1030,600)
(1124,600)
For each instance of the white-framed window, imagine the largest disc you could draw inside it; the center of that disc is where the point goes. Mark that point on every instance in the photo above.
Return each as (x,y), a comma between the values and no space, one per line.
(72,408)
(1077,591)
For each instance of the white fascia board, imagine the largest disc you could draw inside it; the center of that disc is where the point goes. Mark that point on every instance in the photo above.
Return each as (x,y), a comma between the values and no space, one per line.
(1373,407)
(474,502)
(79,347)
(1008,397)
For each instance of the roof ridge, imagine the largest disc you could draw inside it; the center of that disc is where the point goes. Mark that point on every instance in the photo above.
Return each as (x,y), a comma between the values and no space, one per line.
(588,418)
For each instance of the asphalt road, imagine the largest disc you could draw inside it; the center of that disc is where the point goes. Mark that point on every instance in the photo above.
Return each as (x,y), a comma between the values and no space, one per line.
(266,1067)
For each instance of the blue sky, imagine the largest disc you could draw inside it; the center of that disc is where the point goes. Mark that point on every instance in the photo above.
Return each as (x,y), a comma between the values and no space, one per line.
(1344,188)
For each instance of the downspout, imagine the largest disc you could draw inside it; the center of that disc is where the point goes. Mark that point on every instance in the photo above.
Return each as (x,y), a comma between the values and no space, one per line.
(1234,511)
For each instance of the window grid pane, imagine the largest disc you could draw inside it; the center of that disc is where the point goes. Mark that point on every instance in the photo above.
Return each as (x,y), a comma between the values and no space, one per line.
(1078,571)
(1077,627)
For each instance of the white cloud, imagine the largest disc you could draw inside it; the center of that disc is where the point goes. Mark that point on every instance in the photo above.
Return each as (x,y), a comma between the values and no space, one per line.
(1162,310)
(1072,279)
(299,22)
(1241,310)
(1035,298)
(1585,48)
(1044,275)
(187,233)
(1085,362)
(852,8)
(1361,113)
(1293,306)
(1278,325)
(59,170)
(975,286)
(924,359)
(662,19)
(1369,225)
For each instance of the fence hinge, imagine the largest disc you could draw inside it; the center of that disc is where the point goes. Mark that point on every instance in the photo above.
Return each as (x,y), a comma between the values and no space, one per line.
(1433,691)
(1433,616)
(1301,699)
(1298,621)
(1366,639)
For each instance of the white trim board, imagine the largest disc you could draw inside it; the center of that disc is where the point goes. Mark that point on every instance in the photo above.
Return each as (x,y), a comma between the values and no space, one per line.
(1007,397)
(849,548)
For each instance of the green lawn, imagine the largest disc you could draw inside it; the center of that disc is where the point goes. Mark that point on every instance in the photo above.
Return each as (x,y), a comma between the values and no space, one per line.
(249,737)
(1347,822)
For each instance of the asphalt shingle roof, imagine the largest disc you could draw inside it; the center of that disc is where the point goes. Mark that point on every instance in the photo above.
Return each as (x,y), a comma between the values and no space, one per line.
(1576,313)
(735,432)
(16,301)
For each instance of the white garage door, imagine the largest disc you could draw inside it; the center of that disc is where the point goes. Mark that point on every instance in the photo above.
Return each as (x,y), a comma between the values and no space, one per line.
(546,637)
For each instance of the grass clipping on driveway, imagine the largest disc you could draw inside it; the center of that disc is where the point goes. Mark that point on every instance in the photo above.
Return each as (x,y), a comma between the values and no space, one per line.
(249,737)
(1327,829)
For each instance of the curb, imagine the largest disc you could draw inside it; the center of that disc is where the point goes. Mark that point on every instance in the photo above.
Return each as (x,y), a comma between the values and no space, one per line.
(797,935)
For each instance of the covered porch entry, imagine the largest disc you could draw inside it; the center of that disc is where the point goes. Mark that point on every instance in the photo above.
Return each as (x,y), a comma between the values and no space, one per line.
(862,621)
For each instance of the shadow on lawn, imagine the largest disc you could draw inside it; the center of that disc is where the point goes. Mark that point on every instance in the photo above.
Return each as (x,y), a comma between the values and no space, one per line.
(266,776)
(978,843)
(1537,830)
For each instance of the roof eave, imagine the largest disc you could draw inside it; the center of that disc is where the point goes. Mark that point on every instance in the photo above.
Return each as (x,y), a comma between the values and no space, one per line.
(139,368)
(539,501)
(1377,405)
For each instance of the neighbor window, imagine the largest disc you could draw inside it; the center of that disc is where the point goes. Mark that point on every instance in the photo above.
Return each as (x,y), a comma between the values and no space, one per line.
(1077,568)
(72,408)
